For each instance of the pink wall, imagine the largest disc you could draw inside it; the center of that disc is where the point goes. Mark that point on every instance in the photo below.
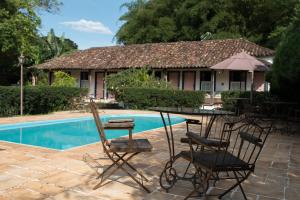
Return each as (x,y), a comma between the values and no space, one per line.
(173,78)
(259,81)
(189,80)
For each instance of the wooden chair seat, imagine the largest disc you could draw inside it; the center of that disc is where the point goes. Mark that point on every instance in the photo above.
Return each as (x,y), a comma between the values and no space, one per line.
(118,126)
(137,145)
(121,120)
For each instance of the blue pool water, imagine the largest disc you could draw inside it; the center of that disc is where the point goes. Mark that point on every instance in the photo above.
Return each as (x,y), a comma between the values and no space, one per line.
(65,134)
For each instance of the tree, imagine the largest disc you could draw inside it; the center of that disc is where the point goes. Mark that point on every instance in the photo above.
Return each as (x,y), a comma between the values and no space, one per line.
(62,79)
(53,46)
(285,75)
(18,34)
(262,22)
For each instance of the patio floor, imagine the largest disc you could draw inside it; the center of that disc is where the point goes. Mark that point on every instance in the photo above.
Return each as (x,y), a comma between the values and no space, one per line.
(39,173)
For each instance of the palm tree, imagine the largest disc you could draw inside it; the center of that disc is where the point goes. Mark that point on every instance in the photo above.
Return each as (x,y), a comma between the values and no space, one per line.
(55,44)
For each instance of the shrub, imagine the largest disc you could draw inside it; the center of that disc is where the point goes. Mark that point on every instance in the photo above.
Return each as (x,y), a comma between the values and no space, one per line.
(140,98)
(134,78)
(37,100)
(231,104)
(62,79)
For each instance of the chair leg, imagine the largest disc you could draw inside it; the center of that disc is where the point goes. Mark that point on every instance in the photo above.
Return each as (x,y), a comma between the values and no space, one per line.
(107,169)
(112,165)
(133,168)
(239,182)
(237,178)
(205,181)
(120,166)
(187,169)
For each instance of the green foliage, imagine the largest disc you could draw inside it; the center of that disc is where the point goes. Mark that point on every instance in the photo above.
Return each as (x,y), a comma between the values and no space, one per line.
(229,103)
(19,25)
(134,78)
(53,46)
(141,98)
(38,100)
(62,79)
(168,20)
(285,75)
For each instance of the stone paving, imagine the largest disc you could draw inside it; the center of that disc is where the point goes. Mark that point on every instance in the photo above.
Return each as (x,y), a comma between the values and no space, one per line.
(40,173)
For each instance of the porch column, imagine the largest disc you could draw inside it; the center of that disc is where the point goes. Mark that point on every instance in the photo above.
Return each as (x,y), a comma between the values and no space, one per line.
(252,86)
(165,75)
(105,86)
(212,86)
(197,81)
(90,83)
(34,79)
(180,80)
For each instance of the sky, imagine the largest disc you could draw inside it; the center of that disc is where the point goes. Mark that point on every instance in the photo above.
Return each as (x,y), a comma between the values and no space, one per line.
(89,23)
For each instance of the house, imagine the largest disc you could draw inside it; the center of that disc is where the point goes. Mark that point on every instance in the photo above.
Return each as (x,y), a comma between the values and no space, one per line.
(185,64)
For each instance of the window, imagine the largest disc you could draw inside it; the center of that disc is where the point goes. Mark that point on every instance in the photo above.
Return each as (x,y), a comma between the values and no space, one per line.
(237,80)
(68,72)
(157,75)
(205,81)
(84,79)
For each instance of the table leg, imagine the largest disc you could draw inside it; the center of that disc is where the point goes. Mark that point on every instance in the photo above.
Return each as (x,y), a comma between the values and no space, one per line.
(169,176)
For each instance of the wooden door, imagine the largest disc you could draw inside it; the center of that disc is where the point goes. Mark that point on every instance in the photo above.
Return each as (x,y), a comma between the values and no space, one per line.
(99,85)
(189,79)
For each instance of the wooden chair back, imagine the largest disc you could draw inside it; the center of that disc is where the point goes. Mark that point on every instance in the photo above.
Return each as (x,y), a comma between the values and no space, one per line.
(99,124)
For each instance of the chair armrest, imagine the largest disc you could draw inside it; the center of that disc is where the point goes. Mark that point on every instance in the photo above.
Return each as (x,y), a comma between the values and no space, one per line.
(193,121)
(120,120)
(250,138)
(195,138)
(119,126)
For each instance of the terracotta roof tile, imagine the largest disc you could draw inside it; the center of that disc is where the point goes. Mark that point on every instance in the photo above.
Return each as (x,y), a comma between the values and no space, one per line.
(188,54)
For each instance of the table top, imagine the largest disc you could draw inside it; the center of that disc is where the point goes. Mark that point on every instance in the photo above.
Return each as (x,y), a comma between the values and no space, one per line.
(281,102)
(190,111)
(238,98)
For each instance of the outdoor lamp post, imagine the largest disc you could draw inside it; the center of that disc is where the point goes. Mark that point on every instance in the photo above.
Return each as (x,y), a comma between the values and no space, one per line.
(21,62)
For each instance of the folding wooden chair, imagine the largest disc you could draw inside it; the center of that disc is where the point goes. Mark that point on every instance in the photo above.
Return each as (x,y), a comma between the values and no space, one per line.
(236,161)
(120,151)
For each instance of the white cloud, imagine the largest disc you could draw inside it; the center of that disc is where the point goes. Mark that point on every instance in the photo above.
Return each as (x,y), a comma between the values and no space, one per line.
(88,26)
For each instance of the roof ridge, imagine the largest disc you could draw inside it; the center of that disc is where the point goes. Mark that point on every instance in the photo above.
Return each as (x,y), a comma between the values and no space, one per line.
(166,43)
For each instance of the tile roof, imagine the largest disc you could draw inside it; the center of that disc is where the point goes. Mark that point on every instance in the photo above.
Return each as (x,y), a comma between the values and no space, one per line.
(188,54)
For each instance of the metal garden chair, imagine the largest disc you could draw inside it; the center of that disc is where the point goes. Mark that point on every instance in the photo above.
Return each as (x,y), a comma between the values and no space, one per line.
(213,133)
(236,161)
(119,151)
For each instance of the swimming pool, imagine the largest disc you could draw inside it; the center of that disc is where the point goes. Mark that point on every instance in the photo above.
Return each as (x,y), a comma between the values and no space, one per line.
(69,133)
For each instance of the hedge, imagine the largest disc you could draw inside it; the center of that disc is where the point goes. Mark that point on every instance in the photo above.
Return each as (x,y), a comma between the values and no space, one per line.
(229,104)
(37,100)
(141,98)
